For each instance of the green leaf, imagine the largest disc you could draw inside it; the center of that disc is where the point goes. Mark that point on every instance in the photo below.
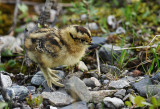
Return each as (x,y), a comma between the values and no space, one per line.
(139,101)
(7,53)
(154,101)
(128,103)
(11,63)
(2,68)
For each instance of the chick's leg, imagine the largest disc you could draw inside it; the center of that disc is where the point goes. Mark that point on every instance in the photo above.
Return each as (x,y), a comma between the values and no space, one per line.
(51,77)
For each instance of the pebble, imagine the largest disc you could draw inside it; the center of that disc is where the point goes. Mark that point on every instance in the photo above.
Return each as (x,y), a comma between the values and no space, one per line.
(120,93)
(76,105)
(17,91)
(82,66)
(38,78)
(105,81)
(96,81)
(58,98)
(6,80)
(120,30)
(78,89)
(92,26)
(130,79)
(89,82)
(119,84)
(156,78)
(113,103)
(111,20)
(83,17)
(31,89)
(98,96)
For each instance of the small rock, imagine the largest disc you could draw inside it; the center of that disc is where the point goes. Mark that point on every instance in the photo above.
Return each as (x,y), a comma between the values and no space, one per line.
(89,82)
(17,108)
(31,89)
(26,106)
(57,98)
(120,93)
(98,96)
(51,107)
(78,89)
(6,80)
(130,79)
(82,66)
(107,52)
(105,81)
(156,78)
(111,20)
(118,84)
(120,30)
(76,105)
(92,26)
(19,91)
(113,103)
(96,81)
(38,78)
(131,91)
(91,106)
(110,69)
(83,17)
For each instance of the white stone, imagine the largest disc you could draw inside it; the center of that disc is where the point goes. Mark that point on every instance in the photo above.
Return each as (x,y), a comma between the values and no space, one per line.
(6,80)
(96,82)
(82,66)
(118,103)
(119,84)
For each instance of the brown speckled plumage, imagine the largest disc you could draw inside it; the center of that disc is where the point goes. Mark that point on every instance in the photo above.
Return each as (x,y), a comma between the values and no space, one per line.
(50,47)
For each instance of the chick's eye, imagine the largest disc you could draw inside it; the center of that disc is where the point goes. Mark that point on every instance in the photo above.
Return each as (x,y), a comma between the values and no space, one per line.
(82,40)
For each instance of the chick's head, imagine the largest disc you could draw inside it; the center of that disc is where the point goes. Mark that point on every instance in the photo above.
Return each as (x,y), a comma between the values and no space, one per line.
(78,34)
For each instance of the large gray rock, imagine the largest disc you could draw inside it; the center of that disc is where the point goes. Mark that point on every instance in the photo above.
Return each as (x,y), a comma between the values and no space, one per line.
(97,41)
(76,105)
(58,98)
(145,87)
(38,78)
(98,96)
(6,80)
(19,92)
(119,84)
(113,103)
(106,51)
(78,89)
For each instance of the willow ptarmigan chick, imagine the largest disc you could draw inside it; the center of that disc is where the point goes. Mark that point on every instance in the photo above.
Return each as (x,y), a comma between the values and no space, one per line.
(50,47)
